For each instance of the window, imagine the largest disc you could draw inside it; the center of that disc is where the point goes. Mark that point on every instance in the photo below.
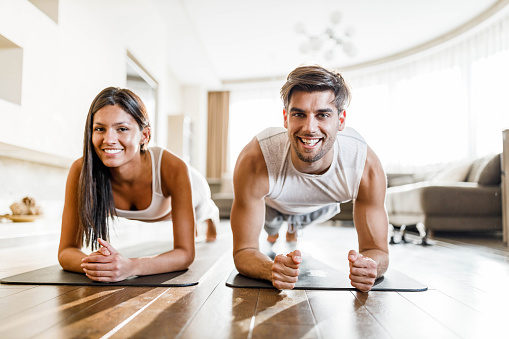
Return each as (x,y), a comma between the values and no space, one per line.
(489,101)
(441,105)
(140,82)
(251,111)
(416,121)
(11,65)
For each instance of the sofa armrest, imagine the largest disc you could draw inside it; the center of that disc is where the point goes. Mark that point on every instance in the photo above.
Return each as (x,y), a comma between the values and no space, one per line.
(462,198)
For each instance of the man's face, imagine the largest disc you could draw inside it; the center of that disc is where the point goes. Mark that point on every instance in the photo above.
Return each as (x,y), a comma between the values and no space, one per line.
(313,121)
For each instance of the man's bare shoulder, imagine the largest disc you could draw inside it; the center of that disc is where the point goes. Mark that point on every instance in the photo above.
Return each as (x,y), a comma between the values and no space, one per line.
(374,178)
(251,157)
(250,170)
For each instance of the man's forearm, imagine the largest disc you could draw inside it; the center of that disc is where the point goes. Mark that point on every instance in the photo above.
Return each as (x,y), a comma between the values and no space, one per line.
(252,263)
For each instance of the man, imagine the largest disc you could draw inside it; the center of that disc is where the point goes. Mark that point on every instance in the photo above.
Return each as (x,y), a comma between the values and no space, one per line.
(301,174)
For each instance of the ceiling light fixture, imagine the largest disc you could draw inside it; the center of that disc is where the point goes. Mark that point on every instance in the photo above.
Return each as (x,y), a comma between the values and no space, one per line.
(329,40)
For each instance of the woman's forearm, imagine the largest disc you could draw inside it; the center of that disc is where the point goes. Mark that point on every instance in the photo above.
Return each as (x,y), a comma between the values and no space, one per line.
(171,261)
(70,259)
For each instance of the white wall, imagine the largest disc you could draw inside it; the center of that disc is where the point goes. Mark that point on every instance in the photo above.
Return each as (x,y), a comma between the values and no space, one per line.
(67,62)
(194,99)
(18,181)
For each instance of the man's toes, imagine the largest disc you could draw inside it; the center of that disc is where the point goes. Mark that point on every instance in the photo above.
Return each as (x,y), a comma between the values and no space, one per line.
(291,237)
(272,238)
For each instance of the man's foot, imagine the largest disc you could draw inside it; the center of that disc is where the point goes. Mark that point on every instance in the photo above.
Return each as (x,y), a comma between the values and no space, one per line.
(211,231)
(291,237)
(272,238)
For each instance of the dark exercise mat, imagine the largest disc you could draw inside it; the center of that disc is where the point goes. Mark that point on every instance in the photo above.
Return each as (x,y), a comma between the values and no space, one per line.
(206,255)
(315,275)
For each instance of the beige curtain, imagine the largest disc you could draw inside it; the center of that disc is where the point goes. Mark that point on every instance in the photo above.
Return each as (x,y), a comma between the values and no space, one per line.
(217,133)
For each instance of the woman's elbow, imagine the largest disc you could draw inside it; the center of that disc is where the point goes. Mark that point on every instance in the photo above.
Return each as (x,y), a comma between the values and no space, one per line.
(188,258)
(63,259)
(66,259)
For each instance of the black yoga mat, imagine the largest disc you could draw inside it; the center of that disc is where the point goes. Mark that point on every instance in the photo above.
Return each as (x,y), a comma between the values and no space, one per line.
(206,255)
(315,275)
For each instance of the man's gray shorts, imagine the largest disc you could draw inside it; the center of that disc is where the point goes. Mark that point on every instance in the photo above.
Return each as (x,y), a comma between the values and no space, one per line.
(274,219)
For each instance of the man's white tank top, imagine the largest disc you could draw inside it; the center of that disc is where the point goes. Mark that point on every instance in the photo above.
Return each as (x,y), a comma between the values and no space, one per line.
(293,192)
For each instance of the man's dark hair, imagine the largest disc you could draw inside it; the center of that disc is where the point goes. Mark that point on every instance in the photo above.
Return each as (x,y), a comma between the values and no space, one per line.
(316,78)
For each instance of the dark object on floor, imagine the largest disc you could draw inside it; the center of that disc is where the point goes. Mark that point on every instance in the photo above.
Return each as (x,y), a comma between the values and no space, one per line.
(400,237)
(206,255)
(315,275)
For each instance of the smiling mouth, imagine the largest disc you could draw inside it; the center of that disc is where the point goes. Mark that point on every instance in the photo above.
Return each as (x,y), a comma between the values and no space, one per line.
(310,141)
(112,151)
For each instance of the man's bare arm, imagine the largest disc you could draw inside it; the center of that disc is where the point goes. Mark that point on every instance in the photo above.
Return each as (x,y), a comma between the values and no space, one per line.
(251,184)
(371,221)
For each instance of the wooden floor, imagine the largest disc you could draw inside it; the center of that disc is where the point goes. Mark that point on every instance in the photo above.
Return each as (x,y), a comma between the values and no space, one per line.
(467,298)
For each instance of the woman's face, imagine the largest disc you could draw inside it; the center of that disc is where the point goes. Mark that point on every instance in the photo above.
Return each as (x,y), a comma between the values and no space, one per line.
(116,136)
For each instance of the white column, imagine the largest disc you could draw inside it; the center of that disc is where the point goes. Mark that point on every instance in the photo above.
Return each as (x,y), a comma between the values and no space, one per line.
(505,186)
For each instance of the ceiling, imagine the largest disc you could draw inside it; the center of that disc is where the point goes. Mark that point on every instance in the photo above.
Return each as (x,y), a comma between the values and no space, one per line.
(238,41)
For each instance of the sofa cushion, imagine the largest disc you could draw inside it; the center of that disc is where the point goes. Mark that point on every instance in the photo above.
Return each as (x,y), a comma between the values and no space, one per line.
(454,173)
(491,173)
(475,170)
(486,171)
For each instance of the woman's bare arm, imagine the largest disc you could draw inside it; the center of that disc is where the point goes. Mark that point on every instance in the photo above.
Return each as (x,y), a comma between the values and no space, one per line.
(69,250)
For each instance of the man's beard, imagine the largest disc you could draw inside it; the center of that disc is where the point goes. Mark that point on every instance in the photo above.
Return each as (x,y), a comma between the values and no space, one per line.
(304,157)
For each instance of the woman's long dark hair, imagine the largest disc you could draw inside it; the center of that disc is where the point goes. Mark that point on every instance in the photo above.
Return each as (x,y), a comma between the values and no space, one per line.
(95,197)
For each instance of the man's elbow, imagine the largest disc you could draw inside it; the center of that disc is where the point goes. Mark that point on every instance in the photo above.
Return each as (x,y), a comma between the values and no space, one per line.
(383,265)
(239,260)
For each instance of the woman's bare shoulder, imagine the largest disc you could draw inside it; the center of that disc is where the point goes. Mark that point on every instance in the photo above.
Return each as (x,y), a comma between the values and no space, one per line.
(75,169)
(174,172)
(170,163)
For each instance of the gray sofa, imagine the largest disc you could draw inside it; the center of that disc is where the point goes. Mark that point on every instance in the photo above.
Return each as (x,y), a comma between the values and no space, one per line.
(463,197)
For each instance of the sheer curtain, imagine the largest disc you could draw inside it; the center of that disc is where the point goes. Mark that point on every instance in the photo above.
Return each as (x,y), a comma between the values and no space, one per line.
(444,104)
(252,109)
(490,77)
(217,133)
(441,105)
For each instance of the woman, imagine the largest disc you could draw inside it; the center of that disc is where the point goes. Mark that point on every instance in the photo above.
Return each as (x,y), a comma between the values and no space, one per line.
(119,175)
